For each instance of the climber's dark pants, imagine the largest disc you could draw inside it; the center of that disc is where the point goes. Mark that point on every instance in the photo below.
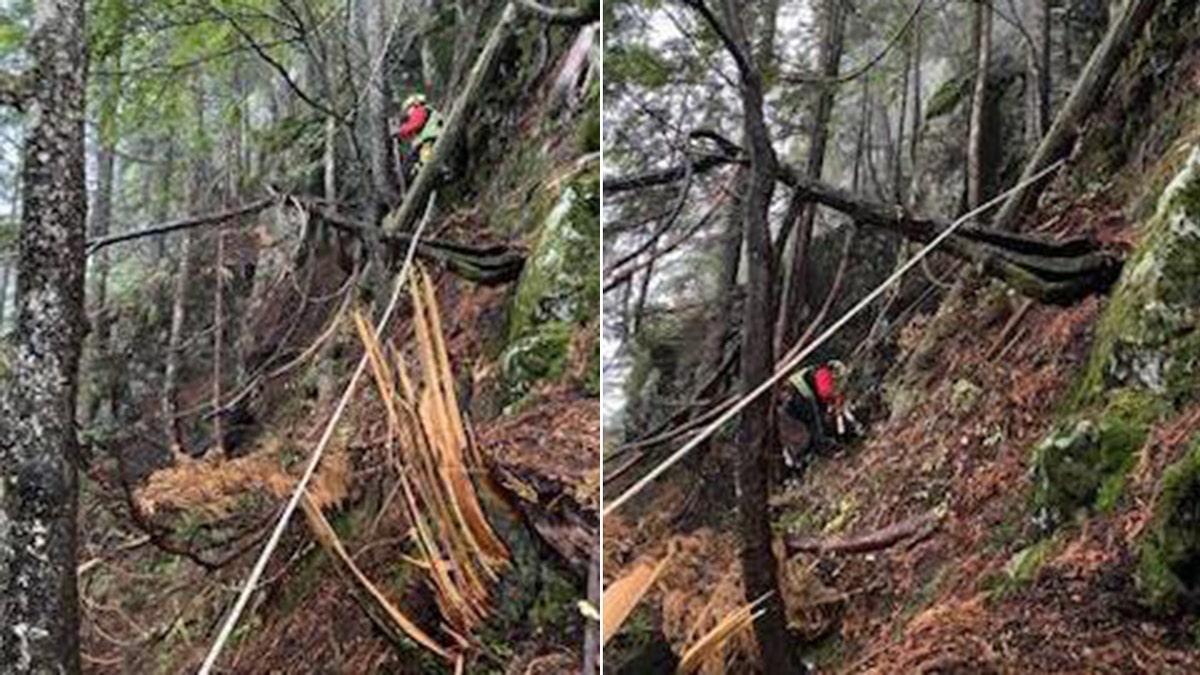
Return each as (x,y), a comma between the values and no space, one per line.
(812,414)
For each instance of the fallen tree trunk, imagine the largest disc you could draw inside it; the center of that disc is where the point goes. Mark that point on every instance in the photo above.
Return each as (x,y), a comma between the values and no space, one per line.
(1058,272)
(492,264)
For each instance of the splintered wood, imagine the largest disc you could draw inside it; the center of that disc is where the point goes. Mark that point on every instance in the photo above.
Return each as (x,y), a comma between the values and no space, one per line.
(434,457)
(623,595)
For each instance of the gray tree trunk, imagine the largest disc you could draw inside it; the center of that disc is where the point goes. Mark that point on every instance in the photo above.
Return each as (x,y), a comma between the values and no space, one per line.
(101,221)
(172,424)
(39,451)
(378,142)
(978,169)
(830,59)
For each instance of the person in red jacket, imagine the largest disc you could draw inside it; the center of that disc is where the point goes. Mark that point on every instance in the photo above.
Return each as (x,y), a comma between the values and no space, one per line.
(818,404)
(419,129)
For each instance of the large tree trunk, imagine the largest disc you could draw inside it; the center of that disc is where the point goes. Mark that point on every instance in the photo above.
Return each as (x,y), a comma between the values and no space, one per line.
(1084,98)
(830,59)
(39,451)
(757,430)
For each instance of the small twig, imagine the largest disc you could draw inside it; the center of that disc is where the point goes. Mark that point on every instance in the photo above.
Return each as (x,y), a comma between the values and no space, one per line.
(1009,327)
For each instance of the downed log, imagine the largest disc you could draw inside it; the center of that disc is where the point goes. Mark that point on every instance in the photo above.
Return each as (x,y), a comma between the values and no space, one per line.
(1057,272)
(913,529)
(490,265)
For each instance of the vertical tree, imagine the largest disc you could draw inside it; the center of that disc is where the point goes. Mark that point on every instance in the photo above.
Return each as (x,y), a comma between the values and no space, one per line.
(829,57)
(173,425)
(980,167)
(756,431)
(39,452)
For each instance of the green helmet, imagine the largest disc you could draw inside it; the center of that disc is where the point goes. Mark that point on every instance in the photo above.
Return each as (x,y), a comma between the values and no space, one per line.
(414,99)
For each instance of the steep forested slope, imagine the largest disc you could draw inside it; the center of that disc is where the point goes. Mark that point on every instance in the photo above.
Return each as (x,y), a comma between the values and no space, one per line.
(1023,498)
(251,211)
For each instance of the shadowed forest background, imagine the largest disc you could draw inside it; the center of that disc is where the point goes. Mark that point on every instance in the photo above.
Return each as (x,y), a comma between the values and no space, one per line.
(1022,496)
(207,223)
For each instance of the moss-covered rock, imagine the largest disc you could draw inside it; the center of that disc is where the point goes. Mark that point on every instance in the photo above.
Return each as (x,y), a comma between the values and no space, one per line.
(1169,556)
(1149,336)
(1083,463)
(1144,360)
(559,289)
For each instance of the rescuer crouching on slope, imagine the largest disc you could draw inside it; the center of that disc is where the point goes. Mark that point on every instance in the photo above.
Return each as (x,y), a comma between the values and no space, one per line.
(817,404)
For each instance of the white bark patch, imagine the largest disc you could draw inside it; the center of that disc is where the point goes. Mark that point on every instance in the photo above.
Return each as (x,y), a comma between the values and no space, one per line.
(25,635)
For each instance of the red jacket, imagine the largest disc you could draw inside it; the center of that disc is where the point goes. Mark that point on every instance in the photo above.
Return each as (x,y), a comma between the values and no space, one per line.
(414,120)
(826,388)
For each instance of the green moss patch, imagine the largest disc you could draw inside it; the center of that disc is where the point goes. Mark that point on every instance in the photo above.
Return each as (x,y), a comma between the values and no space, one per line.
(559,291)
(1150,333)
(1169,557)
(1083,464)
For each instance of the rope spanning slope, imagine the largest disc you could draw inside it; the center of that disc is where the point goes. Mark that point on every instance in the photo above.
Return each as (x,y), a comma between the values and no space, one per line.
(273,542)
(789,365)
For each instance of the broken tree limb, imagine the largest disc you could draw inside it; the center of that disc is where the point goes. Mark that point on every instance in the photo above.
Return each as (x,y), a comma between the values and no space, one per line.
(914,529)
(403,219)
(1083,100)
(394,624)
(488,265)
(182,224)
(1047,270)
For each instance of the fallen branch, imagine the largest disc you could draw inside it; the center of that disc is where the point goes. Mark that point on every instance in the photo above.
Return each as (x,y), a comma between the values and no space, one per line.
(915,529)
(182,224)
(390,620)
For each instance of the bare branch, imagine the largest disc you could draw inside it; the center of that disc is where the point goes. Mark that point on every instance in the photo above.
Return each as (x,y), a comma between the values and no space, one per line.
(585,12)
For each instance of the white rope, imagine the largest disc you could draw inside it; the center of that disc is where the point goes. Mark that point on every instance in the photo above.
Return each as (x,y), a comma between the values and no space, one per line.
(261,565)
(791,364)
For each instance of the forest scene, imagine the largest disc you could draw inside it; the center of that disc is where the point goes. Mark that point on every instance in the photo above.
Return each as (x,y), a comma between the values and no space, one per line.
(900,336)
(299,336)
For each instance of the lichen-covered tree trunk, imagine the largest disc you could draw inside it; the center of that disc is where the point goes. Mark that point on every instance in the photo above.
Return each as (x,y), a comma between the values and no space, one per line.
(39,452)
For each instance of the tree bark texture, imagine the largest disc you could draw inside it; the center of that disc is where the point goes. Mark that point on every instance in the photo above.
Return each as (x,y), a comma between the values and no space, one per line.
(756,432)
(39,451)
